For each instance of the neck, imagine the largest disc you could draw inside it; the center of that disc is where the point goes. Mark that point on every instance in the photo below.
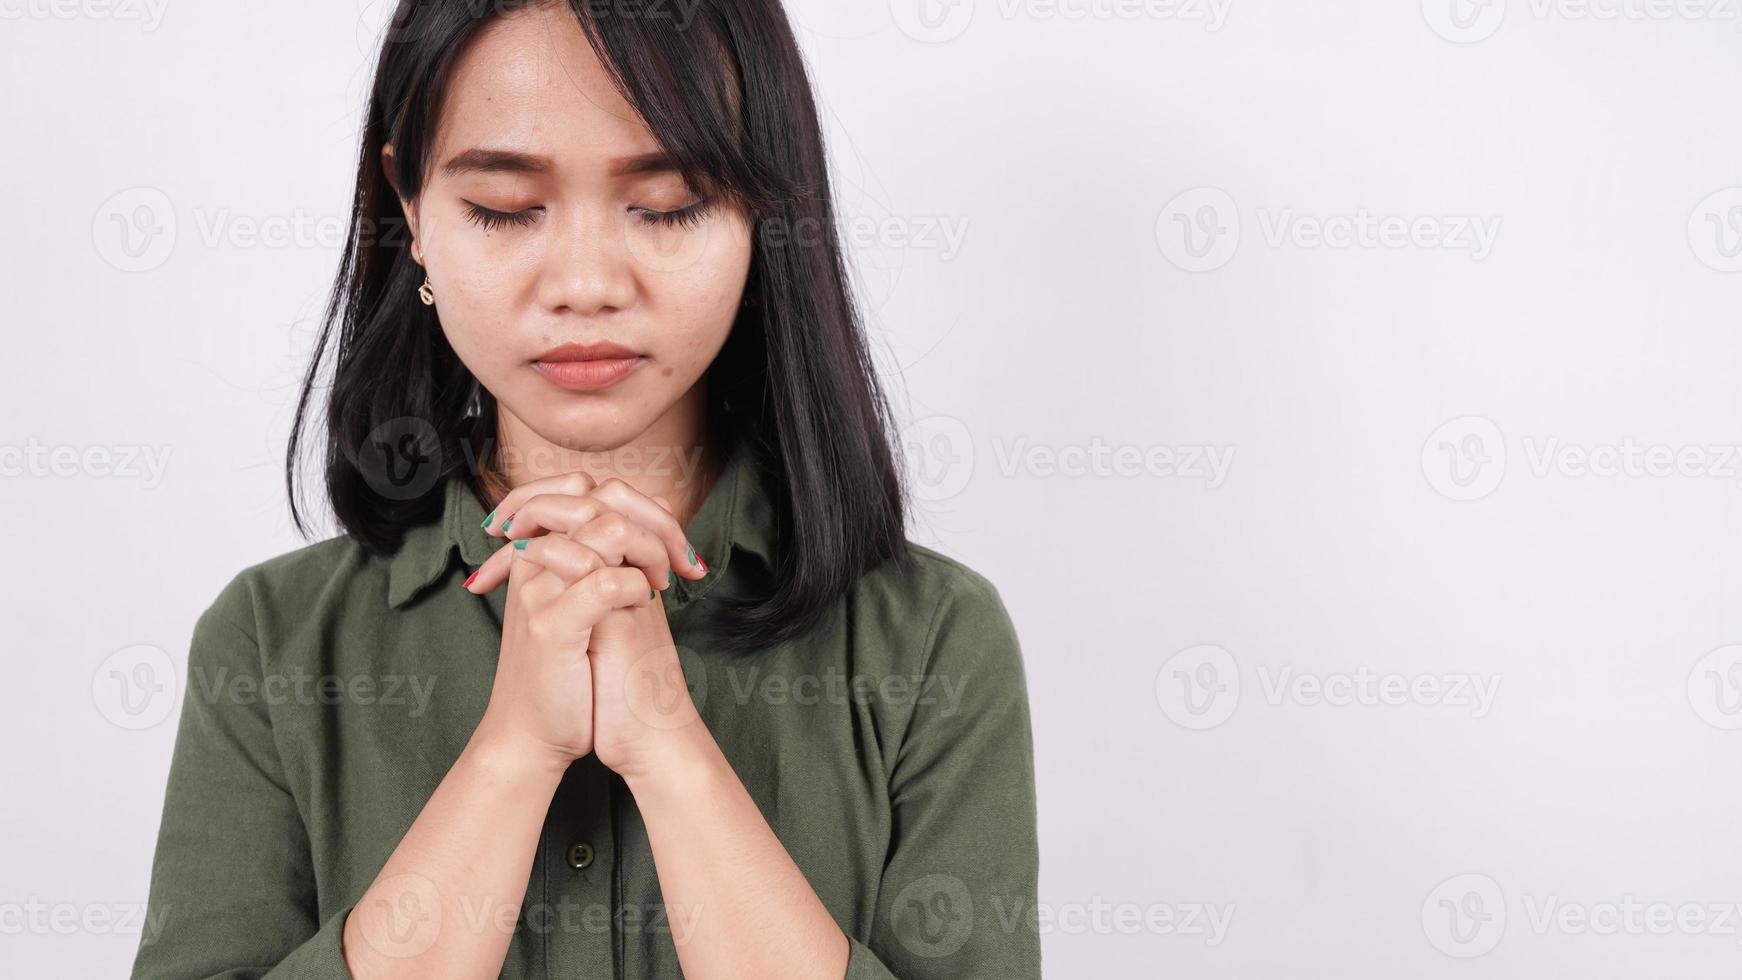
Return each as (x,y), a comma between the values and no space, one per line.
(672,458)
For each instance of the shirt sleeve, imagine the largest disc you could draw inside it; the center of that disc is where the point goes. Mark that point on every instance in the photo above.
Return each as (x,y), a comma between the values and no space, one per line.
(232,883)
(959,889)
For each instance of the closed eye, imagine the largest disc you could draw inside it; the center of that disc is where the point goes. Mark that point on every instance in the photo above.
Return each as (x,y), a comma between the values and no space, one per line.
(488,218)
(682,217)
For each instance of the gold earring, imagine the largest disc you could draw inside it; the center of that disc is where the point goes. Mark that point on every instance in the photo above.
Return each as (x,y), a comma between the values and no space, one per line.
(425,293)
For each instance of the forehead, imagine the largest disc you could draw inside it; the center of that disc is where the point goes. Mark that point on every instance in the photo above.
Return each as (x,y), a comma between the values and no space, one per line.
(530,81)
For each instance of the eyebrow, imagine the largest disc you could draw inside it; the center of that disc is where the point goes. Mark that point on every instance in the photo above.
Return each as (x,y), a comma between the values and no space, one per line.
(483,160)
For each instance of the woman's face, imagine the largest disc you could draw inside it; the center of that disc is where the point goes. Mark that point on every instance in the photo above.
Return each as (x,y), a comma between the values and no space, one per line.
(548,218)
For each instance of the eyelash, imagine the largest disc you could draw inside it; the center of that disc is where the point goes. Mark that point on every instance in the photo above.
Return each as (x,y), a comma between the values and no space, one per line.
(489,218)
(681,218)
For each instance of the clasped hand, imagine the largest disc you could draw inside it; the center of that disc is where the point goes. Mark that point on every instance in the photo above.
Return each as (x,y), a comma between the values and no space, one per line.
(587,662)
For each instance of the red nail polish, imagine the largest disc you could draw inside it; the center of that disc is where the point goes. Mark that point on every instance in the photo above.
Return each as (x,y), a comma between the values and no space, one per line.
(701,564)
(474,575)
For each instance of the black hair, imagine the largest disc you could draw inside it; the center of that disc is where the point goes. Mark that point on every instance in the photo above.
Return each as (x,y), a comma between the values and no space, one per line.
(724,90)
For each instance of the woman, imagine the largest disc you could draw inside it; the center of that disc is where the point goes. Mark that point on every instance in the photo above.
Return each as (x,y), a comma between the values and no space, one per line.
(692,705)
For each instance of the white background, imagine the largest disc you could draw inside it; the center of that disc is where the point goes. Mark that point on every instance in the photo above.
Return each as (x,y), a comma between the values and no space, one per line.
(1448,460)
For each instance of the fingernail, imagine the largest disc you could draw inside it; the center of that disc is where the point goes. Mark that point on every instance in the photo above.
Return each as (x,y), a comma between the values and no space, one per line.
(520,544)
(505,525)
(474,575)
(701,564)
(487,519)
(670,579)
(650,593)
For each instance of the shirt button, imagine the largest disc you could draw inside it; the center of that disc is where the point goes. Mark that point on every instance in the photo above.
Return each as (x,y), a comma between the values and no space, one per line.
(580,854)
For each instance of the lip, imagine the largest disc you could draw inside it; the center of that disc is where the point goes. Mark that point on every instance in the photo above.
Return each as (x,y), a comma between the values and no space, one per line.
(587,367)
(602,351)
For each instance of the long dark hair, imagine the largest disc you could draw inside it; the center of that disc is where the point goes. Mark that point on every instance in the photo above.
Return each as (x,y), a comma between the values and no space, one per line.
(724,91)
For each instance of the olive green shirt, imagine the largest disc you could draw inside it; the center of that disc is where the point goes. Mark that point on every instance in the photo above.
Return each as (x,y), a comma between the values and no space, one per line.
(329,691)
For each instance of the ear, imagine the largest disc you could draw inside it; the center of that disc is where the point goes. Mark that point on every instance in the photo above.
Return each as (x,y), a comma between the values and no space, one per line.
(409,207)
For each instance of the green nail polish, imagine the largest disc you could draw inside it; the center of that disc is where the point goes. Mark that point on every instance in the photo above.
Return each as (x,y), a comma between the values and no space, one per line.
(520,544)
(487,519)
(650,593)
(691,551)
(670,579)
(505,525)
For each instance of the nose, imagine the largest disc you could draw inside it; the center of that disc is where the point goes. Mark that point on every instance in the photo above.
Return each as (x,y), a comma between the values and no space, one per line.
(587,268)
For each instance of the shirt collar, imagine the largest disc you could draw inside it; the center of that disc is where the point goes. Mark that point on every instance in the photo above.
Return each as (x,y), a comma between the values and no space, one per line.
(736,516)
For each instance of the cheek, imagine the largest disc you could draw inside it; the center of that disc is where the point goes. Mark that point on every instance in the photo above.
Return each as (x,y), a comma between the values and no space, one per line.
(699,302)
(477,280)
